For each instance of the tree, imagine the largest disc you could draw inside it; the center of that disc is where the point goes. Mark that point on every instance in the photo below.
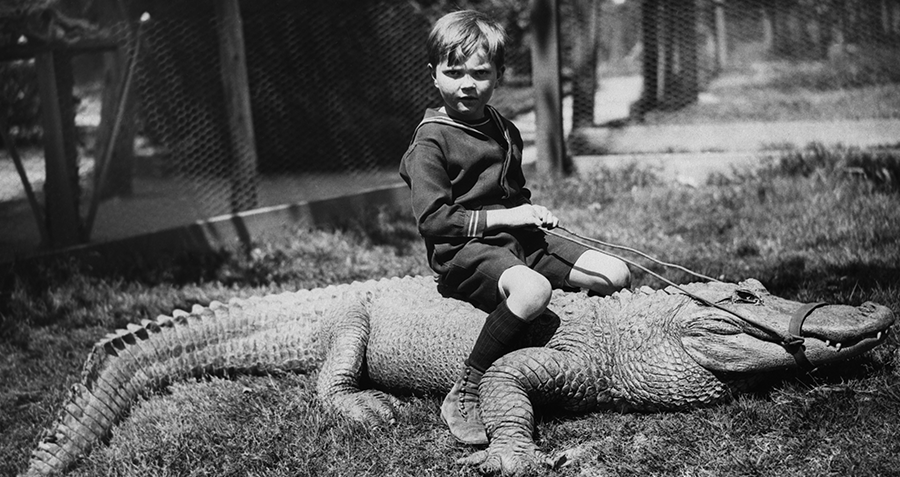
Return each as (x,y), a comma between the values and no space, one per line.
(671,79)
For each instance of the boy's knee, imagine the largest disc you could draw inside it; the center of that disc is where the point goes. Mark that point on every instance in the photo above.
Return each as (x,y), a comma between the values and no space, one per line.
(621,277)
(600,273)
(527,292)
(618,274)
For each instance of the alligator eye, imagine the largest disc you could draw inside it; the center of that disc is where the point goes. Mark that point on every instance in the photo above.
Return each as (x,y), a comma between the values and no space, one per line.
(745,296)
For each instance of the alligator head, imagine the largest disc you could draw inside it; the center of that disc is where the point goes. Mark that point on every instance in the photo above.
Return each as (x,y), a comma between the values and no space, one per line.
(753,338)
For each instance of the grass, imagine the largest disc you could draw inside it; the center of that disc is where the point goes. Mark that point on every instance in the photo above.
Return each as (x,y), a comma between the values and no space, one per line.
(815,224)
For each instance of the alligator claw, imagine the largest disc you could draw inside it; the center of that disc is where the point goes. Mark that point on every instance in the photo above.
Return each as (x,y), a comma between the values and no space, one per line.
(369,407)
(509,460)
(476,458)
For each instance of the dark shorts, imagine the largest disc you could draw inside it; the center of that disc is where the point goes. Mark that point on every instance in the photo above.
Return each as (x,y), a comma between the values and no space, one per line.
(474,272)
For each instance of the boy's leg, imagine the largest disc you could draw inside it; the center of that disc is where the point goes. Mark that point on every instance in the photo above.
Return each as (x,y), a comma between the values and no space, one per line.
(527,294)
(600,273)
(569,265)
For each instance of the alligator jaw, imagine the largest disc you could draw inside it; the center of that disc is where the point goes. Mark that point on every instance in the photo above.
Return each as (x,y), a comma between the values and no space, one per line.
(838,332)
(830,333)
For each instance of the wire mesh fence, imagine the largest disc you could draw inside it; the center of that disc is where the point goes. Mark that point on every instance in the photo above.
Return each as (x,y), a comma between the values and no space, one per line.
(708,61)
(337,87)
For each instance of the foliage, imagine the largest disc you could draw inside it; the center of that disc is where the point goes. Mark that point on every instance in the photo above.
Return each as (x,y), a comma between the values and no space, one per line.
(803,225)
(877,169)
(19,97)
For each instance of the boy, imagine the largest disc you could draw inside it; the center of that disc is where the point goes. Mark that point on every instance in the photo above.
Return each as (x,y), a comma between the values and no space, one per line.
(464,170)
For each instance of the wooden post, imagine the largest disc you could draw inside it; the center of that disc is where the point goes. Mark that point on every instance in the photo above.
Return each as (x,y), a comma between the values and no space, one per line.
(237,105)
(121,166)
(547,87)
(111,143)
(54,75)
(721,36)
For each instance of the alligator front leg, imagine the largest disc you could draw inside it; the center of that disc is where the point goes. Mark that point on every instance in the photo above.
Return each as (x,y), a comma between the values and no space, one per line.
(543,376)
(338,382)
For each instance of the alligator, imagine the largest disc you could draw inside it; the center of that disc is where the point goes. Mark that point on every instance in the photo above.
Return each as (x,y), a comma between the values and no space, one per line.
(641,350)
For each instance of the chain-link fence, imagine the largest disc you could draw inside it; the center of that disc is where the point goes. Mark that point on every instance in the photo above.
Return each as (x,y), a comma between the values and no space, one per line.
(709,61)
(333,88)
(337,87)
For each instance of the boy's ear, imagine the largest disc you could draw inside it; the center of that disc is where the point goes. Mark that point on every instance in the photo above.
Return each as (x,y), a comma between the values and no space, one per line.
(432,70)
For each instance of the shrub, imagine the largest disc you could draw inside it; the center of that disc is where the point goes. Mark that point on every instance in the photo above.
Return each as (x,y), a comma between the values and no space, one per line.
(879,168)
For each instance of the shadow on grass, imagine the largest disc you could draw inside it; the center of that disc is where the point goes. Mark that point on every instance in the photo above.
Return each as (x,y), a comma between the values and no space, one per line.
(849,284)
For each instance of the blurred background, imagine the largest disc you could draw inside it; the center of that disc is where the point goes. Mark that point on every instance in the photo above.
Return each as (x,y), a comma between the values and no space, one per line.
(125,117)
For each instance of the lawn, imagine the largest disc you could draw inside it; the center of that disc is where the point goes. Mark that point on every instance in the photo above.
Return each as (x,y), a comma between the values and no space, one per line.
(815,224)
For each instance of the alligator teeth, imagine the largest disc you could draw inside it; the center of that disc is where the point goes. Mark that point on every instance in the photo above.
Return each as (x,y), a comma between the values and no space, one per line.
(879,336)
(827,342)
(837,346)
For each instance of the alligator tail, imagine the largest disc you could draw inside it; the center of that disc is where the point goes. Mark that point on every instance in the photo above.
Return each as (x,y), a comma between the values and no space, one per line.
(256,335)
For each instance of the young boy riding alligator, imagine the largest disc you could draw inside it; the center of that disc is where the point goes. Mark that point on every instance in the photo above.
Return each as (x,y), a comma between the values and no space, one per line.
(482,233)
(649,350)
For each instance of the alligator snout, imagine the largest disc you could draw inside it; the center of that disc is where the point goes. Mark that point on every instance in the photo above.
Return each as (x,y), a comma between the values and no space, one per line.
(841,325)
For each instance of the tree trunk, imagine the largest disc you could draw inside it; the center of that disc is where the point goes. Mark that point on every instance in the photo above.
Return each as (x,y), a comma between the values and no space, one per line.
(688,78)
(584,54)
(768,28)
(650,30)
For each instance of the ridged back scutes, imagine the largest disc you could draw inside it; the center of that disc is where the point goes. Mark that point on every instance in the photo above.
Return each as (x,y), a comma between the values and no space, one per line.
(126,363)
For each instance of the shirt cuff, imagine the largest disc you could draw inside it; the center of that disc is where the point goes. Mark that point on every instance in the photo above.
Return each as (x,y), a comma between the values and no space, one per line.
(476,223)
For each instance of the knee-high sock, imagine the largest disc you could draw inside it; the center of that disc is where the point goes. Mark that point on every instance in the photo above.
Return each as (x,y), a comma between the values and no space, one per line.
(497,337)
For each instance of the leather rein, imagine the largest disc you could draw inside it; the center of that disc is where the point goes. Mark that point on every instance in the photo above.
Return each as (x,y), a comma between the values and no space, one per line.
(791,340)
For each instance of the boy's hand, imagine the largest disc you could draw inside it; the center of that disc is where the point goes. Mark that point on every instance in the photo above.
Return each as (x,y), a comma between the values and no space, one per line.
(522,216)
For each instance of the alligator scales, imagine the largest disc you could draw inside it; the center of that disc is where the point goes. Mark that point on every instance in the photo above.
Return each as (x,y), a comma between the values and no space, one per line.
(642,350)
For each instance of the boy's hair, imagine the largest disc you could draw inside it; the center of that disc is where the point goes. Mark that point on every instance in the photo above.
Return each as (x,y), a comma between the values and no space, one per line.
(458,35)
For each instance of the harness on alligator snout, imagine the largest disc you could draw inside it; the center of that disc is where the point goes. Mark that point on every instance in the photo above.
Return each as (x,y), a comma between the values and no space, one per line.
(791,340)
(797,349)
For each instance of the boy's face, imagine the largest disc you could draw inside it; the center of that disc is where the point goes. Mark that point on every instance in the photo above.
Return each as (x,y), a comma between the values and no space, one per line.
(466,87)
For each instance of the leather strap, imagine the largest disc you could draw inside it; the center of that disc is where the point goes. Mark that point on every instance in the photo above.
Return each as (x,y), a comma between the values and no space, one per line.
(792,340)
(796,348)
